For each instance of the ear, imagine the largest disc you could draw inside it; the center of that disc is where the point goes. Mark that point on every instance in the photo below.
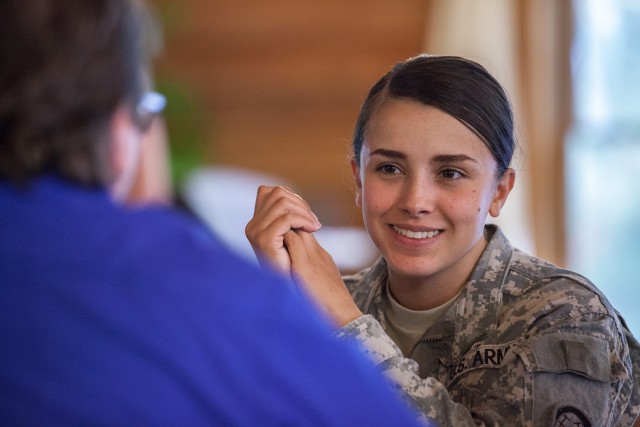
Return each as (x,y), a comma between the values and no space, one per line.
(125,151)
(355,170)
(153,178)
(501,192)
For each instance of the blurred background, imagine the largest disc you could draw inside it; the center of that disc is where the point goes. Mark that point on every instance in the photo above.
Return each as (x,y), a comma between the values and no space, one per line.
(268,92)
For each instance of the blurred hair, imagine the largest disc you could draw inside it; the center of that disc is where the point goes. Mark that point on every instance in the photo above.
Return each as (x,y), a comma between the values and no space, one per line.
(66,67)
(456,86)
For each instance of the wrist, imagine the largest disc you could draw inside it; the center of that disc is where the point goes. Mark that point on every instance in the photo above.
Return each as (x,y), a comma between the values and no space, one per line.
(347,315)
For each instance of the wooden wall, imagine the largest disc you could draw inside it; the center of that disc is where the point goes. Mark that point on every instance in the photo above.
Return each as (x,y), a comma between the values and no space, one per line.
(278,84)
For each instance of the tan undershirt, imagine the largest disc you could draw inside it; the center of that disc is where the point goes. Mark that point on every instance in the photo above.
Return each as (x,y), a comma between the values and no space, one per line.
(406,327)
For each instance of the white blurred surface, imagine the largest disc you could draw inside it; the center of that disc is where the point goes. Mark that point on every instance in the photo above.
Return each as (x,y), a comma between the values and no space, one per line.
(224,198)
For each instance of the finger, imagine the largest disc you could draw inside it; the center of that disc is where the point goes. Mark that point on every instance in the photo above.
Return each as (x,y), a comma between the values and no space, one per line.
(303,248)
(269,243)
(278,210)
(271,226)
(263,192)
(270,249)
(267,197)
(315,271)
(272,234)
(282,206)
(295,246)
(301,255)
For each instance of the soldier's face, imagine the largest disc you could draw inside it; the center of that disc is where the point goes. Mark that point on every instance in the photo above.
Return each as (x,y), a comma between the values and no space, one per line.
(425,184)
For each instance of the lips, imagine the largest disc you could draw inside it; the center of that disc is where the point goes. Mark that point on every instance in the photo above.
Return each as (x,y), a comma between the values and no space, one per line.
(416,234)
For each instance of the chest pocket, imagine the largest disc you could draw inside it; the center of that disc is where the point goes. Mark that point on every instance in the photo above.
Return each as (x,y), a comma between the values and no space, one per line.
(570,371)
(583,355)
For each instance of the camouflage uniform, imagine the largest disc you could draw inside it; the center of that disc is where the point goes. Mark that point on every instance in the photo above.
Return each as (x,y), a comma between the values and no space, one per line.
(526,343)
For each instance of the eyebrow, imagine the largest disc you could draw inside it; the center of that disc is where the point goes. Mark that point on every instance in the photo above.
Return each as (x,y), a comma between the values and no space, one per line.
(392,154)
(453,158)
(441,158)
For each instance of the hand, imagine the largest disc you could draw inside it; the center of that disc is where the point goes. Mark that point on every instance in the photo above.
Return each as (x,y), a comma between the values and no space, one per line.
(314,270)
(278,210)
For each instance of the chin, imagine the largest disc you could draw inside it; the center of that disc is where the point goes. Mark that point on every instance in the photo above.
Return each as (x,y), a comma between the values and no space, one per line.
(411,267)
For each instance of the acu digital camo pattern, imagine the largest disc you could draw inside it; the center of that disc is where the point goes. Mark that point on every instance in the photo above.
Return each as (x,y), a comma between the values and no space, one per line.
(526,343)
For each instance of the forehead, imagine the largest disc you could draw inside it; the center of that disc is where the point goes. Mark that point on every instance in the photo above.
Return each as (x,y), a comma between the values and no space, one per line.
(418,129)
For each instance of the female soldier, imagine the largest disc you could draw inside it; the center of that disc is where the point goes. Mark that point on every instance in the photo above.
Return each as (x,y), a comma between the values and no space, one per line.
(472,329)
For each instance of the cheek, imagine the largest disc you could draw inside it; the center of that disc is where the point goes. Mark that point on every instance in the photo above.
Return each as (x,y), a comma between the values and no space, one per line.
(469,205)
(376,197)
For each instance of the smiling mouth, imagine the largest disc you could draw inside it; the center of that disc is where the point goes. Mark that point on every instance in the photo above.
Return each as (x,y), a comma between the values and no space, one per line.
(415,234)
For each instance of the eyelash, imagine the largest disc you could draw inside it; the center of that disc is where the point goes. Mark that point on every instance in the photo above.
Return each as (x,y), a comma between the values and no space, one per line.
(385,169)
(451,171)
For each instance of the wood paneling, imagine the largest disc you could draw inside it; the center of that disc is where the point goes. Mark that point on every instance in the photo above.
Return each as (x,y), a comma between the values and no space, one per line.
(280,82)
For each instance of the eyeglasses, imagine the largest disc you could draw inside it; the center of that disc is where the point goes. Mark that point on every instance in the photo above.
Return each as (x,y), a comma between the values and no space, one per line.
(150,106)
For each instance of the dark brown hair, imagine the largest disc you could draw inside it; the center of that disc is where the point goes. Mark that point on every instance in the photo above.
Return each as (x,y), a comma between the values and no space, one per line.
(457,86)
(66,66)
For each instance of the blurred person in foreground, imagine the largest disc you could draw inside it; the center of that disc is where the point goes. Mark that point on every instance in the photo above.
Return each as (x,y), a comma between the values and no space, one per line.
(112,314)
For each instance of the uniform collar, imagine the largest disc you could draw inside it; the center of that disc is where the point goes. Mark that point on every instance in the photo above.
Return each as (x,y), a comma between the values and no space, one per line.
(476,311)
(377,277)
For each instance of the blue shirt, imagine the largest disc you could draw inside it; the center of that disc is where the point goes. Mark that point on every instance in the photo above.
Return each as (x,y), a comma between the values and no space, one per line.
(112,315)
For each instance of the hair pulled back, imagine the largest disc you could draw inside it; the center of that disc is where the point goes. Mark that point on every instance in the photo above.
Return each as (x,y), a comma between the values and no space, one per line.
(457,86)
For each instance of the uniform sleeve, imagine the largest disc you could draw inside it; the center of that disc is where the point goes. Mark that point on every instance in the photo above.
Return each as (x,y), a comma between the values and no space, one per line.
(430,396)
(555,373)
(633,409)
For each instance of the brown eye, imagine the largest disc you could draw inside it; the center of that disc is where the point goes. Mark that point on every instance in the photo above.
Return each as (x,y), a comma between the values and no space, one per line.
(389,169)
(450,174)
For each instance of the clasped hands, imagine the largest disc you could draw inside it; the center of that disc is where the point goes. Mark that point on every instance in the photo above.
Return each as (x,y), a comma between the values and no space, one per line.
(281,234)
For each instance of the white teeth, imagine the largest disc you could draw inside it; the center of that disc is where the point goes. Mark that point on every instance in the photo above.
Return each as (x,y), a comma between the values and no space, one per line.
(416,234)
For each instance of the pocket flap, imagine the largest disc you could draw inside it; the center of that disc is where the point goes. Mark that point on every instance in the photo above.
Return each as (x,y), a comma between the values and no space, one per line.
(584,355)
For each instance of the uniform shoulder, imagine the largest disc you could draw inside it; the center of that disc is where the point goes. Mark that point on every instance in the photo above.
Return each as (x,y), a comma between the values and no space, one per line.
(533,267)
(533,279)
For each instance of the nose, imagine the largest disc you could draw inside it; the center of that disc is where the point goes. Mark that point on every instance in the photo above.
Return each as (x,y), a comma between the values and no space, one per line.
(418,196)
